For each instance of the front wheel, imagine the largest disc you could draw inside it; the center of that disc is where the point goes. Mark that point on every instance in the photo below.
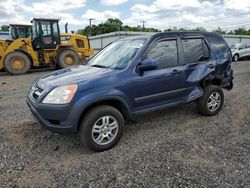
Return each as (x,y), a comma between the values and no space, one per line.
(101,128)
(212,100)
(17,63)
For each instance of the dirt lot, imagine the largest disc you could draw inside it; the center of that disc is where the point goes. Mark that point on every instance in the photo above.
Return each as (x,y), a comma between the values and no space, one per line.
(170,148)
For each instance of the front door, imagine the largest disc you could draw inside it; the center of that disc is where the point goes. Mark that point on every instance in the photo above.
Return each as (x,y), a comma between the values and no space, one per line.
(50,34)
(163,85)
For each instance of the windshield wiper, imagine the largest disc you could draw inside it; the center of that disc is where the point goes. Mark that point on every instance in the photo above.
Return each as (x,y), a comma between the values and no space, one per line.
(99,66)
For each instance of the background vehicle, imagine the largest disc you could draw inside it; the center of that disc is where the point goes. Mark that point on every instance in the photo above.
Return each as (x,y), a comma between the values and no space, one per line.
(131,76)
(20,31)
(240,50)
(47,46)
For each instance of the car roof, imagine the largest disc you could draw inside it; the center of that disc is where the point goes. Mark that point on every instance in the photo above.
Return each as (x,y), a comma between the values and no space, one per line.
(153,36)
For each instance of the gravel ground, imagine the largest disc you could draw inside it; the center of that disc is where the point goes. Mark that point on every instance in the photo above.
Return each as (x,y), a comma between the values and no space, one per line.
(176,147)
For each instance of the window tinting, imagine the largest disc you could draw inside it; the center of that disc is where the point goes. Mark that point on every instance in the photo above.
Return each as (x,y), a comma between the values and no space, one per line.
(195,50)
(164,53)
(35,29)
(21,32)
(55,29)
(46,28)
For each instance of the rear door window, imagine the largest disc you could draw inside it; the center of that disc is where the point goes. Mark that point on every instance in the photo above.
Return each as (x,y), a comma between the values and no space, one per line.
(195,50)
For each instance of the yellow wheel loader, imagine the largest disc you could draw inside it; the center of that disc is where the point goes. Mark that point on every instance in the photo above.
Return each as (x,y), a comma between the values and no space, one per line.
(46,46)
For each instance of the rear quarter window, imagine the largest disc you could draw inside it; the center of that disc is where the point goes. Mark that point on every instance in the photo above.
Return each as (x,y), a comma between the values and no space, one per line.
(219,45)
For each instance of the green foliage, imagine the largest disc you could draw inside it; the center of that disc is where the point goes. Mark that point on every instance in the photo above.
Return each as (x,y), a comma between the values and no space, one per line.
(220,31)
(113,25)
(4,28)
(239,31)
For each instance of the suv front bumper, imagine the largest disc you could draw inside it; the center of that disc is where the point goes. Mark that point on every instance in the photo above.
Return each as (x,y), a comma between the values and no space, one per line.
(57,124)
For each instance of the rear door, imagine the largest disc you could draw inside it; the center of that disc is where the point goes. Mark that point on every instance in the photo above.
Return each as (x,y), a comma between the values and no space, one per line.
(196,62)
(244,50)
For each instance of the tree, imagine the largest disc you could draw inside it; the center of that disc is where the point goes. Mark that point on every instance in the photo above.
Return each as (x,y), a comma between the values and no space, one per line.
(4,28)
(241,31)
(112,25)
(220,31)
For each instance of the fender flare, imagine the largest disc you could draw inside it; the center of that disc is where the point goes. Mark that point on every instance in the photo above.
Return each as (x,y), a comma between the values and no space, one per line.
(91,103)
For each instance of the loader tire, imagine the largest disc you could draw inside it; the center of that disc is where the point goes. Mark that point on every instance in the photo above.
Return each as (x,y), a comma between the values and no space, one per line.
(17,63)
(68,58)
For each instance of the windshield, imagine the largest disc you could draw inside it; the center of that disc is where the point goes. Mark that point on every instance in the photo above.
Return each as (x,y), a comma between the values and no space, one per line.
(21,32)
(117,55)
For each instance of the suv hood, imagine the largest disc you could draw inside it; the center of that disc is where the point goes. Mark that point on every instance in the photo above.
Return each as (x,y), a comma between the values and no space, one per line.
(71,75)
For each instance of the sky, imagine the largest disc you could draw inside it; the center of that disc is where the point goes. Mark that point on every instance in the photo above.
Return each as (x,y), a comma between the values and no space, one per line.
(161,14)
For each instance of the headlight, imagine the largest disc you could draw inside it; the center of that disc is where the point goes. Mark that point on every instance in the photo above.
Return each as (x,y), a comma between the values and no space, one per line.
(61,95)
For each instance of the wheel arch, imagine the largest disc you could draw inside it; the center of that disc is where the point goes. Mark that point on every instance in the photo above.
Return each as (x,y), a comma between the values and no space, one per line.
(236,54)
(115,102)
(211,80)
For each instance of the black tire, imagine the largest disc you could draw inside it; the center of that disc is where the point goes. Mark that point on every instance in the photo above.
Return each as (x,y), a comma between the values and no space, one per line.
(17,63)
(205,104)
(236,57)
(70,54)
(93,117)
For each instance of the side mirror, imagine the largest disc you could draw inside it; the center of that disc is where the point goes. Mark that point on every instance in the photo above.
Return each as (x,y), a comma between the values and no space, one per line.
(148,64)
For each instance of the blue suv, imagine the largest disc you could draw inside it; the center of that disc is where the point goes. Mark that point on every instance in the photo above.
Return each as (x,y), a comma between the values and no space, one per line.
(131,76)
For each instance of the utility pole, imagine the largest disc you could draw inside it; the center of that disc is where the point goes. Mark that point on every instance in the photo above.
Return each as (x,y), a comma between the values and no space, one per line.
(90,31)
(143,25)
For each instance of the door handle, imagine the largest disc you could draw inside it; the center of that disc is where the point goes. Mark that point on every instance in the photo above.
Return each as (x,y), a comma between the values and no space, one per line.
(176,71)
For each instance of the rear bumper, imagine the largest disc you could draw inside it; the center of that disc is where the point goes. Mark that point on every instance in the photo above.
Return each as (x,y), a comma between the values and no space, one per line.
(62,127)
(227,82)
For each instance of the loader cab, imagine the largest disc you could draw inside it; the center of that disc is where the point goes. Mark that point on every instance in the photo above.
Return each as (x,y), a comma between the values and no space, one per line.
(46,33)
(20,31)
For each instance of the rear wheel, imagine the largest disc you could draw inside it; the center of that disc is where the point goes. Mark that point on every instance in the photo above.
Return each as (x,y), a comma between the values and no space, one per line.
(68,58)
(17,63)
(212,100)
(101,128)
